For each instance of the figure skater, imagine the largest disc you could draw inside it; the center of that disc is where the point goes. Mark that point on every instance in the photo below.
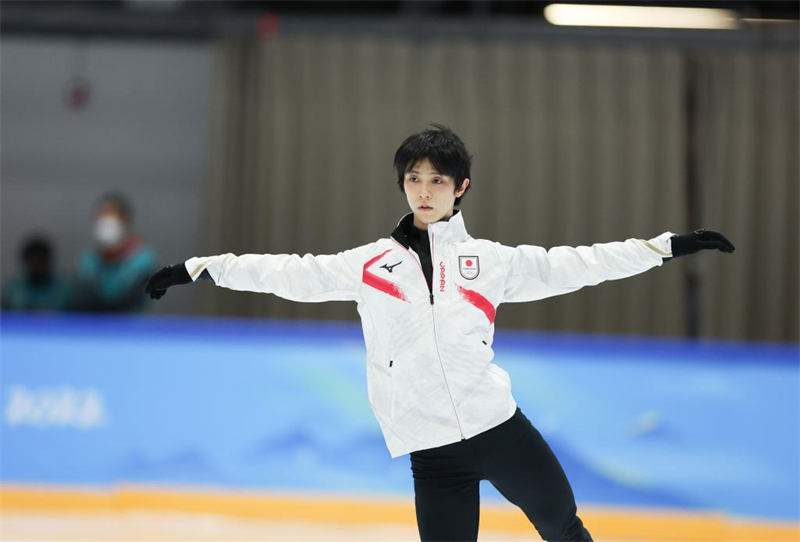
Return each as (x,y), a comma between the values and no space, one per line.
(427,297)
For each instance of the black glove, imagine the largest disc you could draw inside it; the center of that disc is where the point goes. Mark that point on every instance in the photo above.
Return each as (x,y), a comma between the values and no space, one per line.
(699,240)
(172,275)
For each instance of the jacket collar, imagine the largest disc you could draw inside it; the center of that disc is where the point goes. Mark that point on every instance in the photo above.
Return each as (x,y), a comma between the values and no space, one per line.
(446,231)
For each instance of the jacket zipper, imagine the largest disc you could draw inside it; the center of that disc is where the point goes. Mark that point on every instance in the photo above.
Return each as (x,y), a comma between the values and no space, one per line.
(435,341)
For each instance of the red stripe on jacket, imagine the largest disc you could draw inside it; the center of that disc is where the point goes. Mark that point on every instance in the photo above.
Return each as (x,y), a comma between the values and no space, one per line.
(474,298)
(380,283)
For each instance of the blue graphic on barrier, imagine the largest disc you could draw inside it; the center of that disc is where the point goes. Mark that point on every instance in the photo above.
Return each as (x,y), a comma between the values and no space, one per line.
(279,405)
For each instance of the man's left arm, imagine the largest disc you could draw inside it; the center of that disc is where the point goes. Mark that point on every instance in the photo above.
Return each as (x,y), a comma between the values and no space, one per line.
(533,272)
(124,292)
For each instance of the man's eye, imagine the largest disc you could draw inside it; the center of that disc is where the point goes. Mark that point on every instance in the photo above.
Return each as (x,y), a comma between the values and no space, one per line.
(412,179)
(437,181)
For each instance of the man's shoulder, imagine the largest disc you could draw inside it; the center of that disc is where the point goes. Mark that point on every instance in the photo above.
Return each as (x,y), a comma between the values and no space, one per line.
(380,244)
(372,245)
(144,252)
(17,282)
(480,243)
(89,258)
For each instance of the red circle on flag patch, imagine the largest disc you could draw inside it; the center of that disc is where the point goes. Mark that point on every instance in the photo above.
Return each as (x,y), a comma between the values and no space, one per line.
(469,263)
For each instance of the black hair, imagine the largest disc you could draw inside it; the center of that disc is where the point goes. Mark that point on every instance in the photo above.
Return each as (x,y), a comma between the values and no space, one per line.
(38,245)
(121,202)
(443,148)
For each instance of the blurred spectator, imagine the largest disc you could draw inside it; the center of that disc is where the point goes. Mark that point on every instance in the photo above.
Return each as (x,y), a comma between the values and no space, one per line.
(38,288)
(111,275)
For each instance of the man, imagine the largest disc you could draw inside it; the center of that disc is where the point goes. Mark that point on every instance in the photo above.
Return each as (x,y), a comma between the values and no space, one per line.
(39,287)
(111,273)
(427,297)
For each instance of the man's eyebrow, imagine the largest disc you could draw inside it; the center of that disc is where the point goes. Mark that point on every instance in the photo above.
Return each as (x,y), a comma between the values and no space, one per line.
(417,172)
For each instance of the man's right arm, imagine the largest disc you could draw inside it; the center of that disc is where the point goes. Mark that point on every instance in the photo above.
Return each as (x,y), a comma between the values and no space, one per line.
(308,278)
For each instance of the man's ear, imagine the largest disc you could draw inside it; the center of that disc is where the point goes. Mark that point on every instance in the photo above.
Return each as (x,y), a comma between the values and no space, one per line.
(463,188)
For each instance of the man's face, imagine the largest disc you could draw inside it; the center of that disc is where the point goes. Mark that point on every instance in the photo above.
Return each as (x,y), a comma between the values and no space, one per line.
(37,266)
(110,225)
(430,194)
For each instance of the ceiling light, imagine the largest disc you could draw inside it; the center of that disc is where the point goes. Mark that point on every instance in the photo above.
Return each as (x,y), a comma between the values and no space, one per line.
(640,16)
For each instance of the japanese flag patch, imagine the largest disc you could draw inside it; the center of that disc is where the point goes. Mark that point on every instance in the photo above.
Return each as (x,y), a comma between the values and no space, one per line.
(468,266)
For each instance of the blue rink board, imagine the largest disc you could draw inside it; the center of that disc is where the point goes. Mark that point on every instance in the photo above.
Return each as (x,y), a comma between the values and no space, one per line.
(275,405)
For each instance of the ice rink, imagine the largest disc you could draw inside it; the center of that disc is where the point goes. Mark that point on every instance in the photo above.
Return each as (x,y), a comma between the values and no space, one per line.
(186,429)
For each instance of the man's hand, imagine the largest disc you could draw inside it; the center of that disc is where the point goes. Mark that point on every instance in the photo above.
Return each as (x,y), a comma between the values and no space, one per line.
(172,275)
(699,240)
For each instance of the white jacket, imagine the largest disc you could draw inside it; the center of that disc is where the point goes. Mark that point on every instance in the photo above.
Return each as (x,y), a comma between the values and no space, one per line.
(430,376)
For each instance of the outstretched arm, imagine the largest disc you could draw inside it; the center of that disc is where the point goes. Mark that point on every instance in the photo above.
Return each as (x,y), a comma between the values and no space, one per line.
(309,278)
(533,272)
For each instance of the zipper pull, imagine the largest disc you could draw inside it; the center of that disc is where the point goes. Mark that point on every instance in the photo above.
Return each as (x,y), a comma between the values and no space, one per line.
(431,299)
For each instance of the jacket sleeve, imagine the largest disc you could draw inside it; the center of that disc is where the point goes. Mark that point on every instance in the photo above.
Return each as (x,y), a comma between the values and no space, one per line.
(533,272)
(310,278)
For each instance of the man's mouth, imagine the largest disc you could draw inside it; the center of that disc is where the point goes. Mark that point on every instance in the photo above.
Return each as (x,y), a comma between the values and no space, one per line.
(425,207)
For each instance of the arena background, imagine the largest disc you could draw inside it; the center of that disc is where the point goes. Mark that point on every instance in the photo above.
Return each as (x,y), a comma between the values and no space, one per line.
(671,398)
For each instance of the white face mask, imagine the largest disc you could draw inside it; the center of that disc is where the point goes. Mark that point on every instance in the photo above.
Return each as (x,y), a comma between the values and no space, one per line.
(108,231)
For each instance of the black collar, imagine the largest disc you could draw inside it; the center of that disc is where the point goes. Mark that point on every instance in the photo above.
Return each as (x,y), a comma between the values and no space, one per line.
(405,231)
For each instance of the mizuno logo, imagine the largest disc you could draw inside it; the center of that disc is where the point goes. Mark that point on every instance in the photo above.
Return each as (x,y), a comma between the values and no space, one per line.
(390,267)
(380,283)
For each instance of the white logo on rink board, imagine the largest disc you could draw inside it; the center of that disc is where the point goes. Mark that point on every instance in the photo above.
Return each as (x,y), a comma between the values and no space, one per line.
(64,406)
(468,266)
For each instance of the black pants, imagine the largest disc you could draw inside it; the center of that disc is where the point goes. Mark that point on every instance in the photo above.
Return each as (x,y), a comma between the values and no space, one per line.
(517,461)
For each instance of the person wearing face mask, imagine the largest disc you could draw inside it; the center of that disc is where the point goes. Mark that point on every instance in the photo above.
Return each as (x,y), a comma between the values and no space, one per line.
(111,273)
(39,287)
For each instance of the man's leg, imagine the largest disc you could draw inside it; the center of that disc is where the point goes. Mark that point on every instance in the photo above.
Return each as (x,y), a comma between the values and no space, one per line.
(446,493)
(523,468)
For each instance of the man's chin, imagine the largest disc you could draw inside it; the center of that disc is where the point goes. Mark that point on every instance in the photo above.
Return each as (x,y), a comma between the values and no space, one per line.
(427,218)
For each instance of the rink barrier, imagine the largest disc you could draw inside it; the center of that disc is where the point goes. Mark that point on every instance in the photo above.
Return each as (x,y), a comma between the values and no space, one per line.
(605,523)
(701,427)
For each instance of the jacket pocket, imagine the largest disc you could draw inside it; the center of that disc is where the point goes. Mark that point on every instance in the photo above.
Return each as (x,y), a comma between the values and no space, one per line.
(381,389)
(484,350)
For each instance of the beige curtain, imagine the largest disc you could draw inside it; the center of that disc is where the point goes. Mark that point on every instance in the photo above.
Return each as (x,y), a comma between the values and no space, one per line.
(573,144)
(748,141)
